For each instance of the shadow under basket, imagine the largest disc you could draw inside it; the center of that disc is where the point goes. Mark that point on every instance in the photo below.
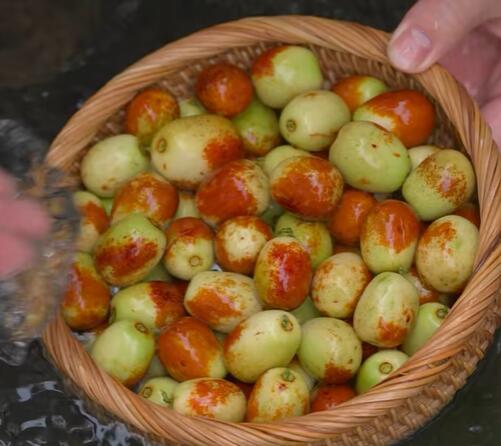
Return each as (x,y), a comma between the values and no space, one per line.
(429,380)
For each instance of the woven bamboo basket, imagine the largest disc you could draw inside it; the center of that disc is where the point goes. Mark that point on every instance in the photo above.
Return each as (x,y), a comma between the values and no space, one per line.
(429,380)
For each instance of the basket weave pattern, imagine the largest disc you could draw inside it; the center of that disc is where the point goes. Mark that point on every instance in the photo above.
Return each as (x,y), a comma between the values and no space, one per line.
(429,380)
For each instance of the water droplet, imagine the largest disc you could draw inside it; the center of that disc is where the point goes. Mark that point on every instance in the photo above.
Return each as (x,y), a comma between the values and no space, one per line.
(475,429)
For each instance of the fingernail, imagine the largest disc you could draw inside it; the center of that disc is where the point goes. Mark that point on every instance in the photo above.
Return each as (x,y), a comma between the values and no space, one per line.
(409,49)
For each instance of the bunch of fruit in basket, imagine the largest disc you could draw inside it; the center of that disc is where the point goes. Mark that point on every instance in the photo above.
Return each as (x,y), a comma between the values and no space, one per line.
(271,246)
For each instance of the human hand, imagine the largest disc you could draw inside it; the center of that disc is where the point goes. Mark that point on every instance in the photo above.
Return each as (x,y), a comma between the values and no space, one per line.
(22,222)
(465,37)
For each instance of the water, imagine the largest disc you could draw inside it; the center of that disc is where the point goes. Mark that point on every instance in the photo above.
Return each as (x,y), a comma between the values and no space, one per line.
(36,409)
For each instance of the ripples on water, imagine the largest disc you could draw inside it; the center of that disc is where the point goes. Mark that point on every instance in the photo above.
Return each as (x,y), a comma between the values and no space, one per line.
(35,410)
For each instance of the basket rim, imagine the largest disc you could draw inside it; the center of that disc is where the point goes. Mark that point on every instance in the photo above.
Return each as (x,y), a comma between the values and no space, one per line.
(423,368)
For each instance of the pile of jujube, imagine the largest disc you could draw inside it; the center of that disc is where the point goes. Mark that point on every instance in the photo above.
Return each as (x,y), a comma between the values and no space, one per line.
(268,247)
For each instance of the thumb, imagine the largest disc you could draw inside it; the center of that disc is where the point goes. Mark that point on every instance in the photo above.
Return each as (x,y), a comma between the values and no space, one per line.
(433,27)
(492,114)
(7,185)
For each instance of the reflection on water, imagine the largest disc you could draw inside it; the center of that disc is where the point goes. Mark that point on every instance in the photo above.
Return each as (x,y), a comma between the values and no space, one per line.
(38,411)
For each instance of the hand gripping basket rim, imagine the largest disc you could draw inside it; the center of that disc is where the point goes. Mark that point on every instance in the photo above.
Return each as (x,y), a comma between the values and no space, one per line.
(429,380)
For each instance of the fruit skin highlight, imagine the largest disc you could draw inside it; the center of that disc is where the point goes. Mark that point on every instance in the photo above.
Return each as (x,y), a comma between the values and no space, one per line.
(309,187)
(283,273)
(224,89)
(188,349)
(389,237)
(408,114)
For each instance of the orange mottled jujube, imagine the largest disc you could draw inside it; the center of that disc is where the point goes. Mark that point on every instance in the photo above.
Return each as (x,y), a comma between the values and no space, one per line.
(126,257)
(86,299)
(148,111)
(408,113)
(263,65)
(227,194)
(223,149)
(96,215)
(289,275)
(345,223)
(224,89)
(210,394)
(425,292)
(168,300)
(448,181)
(187,227)
(233,337)
(239,227)
(349,90)
(187,348)
(391,332)
(440,233)
(213,304)
(156,198)
(393,224)
(329,396)
(307,186)
(334,374)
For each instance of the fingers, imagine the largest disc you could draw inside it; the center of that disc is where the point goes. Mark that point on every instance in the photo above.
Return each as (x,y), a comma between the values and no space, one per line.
(492,114)
(481,51)
(433,27)
(494,26)
(24,218)
(16,255)
(7,184)
(21,221)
